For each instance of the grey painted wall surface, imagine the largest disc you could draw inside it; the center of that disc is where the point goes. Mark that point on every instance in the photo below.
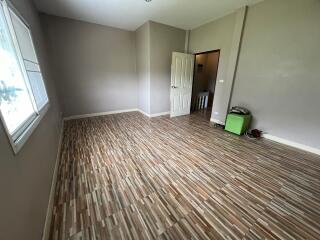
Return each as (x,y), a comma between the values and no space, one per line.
(96,66)
(213,36)
(143,66)
(25,179)
(155,43)
(278,76)
(164,40)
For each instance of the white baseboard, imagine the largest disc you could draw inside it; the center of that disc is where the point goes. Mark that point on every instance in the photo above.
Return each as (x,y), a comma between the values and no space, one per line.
(115,112)
(292,144)
(160,114)
(153,115)
(100,114)
(217,121)
(47,224)
(144,113)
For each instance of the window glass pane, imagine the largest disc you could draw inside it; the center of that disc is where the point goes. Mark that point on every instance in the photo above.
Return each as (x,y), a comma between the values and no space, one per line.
(15,102)
(31,63)
(24,38)
(38,88)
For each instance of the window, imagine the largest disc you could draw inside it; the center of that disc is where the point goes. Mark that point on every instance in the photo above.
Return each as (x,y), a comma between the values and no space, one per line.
(23,97)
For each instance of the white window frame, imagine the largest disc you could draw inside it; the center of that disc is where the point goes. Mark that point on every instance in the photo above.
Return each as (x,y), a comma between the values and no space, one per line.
(24,131)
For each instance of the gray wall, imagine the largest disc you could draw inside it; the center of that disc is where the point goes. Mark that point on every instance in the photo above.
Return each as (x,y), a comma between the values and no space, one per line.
(155,43)
(164,40)
(143,66)
(96,66)
(213,36)
(278,76)
(25,179)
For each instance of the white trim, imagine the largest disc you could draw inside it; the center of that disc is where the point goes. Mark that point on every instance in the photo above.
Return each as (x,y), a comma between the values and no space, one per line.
(217,121)
(292,144)
(18,144)
(99,114)
(47,224)
(159,114)
(27,132)
(115,112)
(144,113)
(154,115)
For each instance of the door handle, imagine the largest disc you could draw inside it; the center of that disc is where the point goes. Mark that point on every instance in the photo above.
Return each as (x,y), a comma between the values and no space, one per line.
(174,87)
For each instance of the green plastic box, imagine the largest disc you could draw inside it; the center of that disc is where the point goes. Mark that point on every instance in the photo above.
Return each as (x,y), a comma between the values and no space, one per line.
(237,124)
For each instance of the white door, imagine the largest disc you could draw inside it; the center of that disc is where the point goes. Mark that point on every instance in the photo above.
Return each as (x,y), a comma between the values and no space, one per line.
(181,83)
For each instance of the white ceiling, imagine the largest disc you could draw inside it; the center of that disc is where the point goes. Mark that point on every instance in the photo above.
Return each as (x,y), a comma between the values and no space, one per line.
(130,14)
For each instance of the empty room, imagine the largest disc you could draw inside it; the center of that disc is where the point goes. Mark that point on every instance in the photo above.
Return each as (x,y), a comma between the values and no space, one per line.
(159,119)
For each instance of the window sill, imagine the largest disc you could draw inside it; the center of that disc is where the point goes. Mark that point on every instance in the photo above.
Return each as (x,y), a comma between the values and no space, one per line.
(18,144)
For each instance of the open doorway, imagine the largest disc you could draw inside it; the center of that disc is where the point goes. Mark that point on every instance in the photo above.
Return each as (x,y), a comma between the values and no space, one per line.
(204,82)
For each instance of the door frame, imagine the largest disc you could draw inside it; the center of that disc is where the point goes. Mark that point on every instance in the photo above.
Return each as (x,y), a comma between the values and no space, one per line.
(194,72)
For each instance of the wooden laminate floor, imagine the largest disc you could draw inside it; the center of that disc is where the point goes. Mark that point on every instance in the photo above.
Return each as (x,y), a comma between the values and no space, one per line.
(128,177)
